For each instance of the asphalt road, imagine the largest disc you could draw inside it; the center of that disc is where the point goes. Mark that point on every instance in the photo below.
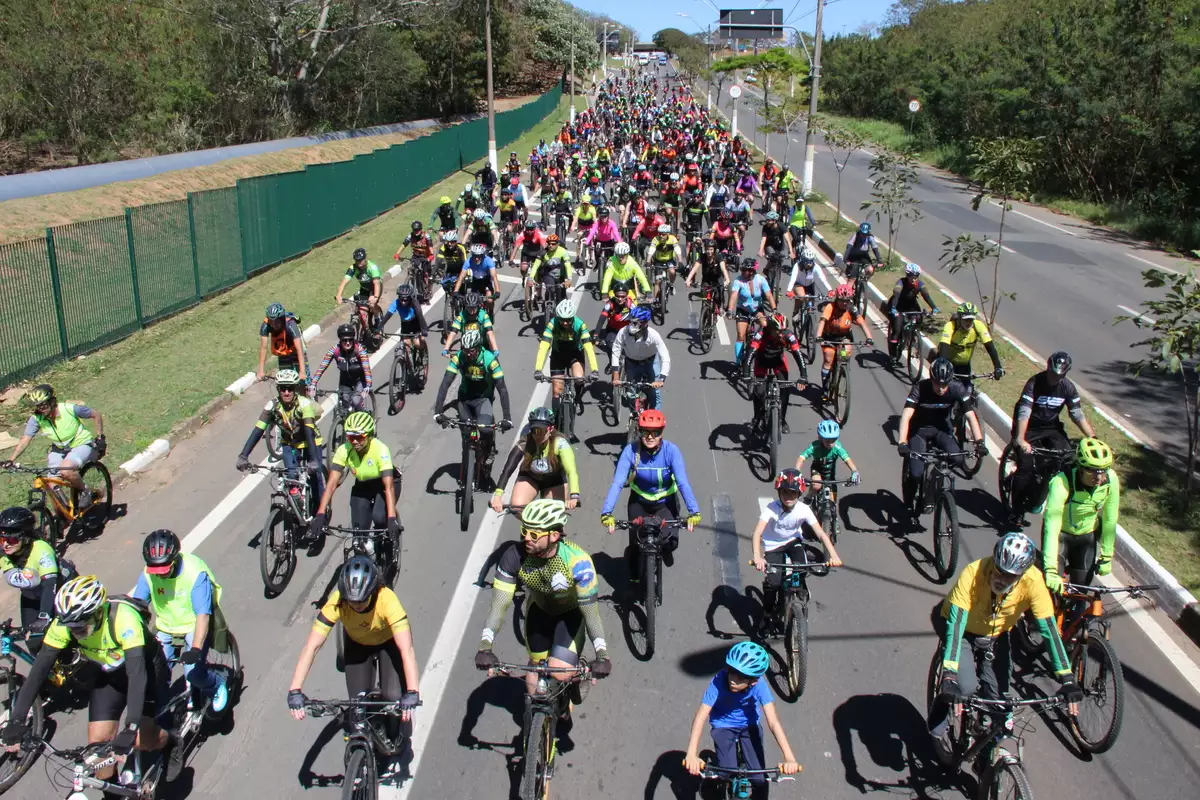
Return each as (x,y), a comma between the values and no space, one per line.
(1071,278)
(857,728)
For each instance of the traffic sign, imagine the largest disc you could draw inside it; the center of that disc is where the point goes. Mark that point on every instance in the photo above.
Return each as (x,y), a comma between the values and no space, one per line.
(735,91)
(914,105)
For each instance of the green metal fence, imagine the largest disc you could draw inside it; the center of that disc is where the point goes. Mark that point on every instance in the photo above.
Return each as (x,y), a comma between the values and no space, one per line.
(88,284)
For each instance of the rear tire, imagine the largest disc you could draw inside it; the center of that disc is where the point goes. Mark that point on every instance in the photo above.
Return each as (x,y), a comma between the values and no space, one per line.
(945,537)
(272,438)
(912,355)
(398,387)
(337,436)
(277,550)
(707,329)
(95,477)
(14,765)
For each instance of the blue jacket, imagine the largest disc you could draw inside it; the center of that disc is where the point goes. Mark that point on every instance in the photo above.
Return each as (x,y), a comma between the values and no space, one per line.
(652,476)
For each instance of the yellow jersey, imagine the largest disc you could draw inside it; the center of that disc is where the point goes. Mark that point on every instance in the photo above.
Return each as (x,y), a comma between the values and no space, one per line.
(375,626)
(960,343)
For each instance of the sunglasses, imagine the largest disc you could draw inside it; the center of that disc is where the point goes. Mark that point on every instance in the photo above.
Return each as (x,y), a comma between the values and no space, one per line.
(356,438)
(10,541)
(653,433)
(532,534)
(346,342)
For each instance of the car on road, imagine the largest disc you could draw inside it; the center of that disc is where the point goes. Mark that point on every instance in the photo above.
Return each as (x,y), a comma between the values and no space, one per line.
(751,77)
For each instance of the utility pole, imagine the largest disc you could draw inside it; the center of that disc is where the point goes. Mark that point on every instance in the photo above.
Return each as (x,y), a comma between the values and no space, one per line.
(810,145)
(491,94)
(604,54)
(572,81)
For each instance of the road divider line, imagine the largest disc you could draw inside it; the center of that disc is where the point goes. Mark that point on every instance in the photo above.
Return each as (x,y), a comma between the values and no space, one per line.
(1035,219)
(1003,247)
(1137,315)
(1152,264)
(722,333)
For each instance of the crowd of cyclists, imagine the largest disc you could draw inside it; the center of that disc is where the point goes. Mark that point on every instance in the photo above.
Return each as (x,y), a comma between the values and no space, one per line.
(644,190)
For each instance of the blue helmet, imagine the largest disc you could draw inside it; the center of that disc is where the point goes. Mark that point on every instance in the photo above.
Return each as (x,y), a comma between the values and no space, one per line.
(639,314)
(829,429)
(748,658)
(865,229)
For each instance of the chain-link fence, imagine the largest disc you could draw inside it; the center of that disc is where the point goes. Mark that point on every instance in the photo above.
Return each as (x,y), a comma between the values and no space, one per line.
(88,284)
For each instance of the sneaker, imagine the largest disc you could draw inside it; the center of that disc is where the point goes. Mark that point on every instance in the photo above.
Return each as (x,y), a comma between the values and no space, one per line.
(943,750)
(176,756)
(1040,507)
(783,427)
(220,697)
(86,497)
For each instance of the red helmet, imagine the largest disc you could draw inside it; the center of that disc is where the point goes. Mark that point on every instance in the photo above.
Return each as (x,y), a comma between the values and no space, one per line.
(792,480)
(778,320)
(652,418)
(843,292)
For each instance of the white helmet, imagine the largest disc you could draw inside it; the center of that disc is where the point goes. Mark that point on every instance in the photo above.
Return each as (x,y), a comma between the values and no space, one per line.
(79,598)
(664,229)
(912,268)
(565,310)
(621,249)
(674,176)
(480,213)
(1014,553)
(808,254)
(478,249)
(468,187)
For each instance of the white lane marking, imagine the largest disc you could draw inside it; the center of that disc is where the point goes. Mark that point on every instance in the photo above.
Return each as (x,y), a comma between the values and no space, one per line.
(722,334)
(1003,247)
(452,634)
(1021,349)
(509,278)
(1159,637)
(1136,314)
(1116,423)
(1152,264)
(1035,219)
(868,180)
(865,150)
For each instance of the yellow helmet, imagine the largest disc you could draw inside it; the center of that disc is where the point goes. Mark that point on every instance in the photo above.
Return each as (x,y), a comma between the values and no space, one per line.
(1093,454)
(40,394)
(79,598)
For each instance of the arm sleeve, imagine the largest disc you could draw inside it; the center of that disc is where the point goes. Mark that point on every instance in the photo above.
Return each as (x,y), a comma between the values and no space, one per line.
(928,299)
(956,626)
(256,433)
(137,676)
(542,351)
(1056,501)
(49,589)
(440,402)
(640,275)
(681,479)
(365,360)
(1108,516)
(589,352)
(421,319)
(620,478)
(503,587)
(566,457)
(1025,404)
(991,351)
(663,354)
(505,404)
(515,456)
(1042,610)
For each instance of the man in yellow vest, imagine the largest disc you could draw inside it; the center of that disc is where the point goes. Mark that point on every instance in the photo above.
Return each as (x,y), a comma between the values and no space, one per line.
(184,595)
(72,445)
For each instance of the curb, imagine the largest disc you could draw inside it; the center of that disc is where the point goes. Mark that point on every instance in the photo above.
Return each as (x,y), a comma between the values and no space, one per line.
(1180,604)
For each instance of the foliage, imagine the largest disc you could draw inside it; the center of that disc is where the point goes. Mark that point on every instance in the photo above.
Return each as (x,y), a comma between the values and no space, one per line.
(772,67)
(846,140)
(893,176)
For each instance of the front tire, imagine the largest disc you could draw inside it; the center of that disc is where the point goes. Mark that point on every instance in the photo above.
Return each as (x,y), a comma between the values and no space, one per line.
(14,765)
(1005,780)
(841,395)
(360,782)
(539,752)
(398,387)
(945,537)
(1098,671)
(277,550)
(796,636)
(650,589)
(468,491)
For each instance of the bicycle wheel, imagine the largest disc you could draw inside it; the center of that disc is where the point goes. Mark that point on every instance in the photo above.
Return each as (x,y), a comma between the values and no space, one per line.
(273,436)
(810,337)
(566,413)
(664,294)
(650,597)
(447,315)
(841,395)
(337,436)
(47,525)
(96,478)
(360,782)
(827,515)
(945,536)
(912,354)
(1098,671)
(795,632)
(468,491)
(229,664)
(14,765)
(972,457)
(539,754)
(420,368)
(277,550)
(773,435)
(398,386)
(1005,780)
(707,328)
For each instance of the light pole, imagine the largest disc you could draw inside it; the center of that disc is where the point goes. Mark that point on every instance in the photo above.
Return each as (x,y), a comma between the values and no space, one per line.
(491,94)
(810,145)
(572,81)
(708,46)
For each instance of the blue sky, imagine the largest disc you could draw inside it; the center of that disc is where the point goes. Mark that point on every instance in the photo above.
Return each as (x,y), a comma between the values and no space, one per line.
(840,15)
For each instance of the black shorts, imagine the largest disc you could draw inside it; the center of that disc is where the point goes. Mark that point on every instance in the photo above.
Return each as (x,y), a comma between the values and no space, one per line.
(410,326)
(543,481)
(110,689)
(559,637)
(562,357)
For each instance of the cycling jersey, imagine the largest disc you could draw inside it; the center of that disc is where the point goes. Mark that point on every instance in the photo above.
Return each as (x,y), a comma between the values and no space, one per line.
(555,460)
(574,337)
(120,630)
(603,232)
(292,422)
(960,344)
(651,476)
(377,625)
(65,432)
(750,295)
(478,378)
(39,559)
(412,318)
(481,321)
(625,272)
(286,340)
(354,366)
(507,210)
(838,324)
(770,348)
(933,409)
(421,246)
(564,581)
(480,268)
(1078,510)
(373,464)
(1042,401)
(366,277)
(455,255)
(557,263)
(614,317)
(824,459)
(586,216)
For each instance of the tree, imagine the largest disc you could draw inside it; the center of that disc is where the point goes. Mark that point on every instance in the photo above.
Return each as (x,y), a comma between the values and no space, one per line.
(1174,348)
(555,25)
(846,140)
(893,176)
(771,66)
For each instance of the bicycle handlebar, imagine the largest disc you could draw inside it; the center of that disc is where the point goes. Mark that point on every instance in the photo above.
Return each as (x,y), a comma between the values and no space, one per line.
(466,423)
(1136,590)
(724,773)
(639,522)
(809,566)
(579,671)
(983,703)
(541,377)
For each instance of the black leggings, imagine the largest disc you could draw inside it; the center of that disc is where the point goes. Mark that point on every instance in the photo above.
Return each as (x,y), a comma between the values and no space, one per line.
(368,507)
(364,660)
(1026,493)
(1077,557)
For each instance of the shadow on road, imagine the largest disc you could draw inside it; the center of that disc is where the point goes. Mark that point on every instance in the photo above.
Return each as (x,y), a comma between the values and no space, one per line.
(894,735)
(669,767)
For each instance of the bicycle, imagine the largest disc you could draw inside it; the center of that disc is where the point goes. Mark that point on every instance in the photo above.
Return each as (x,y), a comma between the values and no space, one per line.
(569,402)
(790,617)
(662,289)
(1047,462)
(737,781)
(972,450)
(711,298)
(1084,625)
(293,503)
(451,307)
(337,419)
(825,506)
(774,272)
(648,532)
(362,320)
(936,493)
(14,765)
(367,739)
(804,325)
(908,343)
(770,429)
(632,395)
(548,704)
(420,275)
(473,458)
(58,505)
(410,370)
(837,398)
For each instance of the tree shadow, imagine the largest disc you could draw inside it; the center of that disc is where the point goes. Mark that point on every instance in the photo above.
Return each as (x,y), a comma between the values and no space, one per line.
(982,505)
(445,470)
(704,663)
(613,442)
(883,509)
(744,609)
(669,767)
(309,779)
(508,694)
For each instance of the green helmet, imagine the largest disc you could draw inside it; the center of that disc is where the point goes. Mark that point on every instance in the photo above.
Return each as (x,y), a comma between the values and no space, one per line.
(545,514)
(541,417)
(40,394)
(967,311)
(360,423)
(1093,454)
(276,311)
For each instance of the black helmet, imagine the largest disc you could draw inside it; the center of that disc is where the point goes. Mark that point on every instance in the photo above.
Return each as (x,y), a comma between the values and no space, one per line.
(360,254)
(404,291)
(530,225)
(160,548)
(17,520)
(417,226)
(471,300)
(942,371)
(345,331)
(541,417)
(1059,363)
(359,579)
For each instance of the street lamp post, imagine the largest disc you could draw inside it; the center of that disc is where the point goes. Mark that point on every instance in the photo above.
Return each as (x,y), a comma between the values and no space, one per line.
(708,46)
(810,144)
(491,94)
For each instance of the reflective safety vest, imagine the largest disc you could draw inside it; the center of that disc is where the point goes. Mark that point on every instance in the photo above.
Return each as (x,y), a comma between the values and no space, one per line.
(66,432)
(171,597)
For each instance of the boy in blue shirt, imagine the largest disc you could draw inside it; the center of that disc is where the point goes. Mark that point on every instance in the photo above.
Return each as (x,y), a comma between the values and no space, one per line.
(732,704)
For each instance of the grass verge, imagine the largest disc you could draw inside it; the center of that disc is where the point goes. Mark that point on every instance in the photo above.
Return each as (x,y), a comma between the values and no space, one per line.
(148,383)
(1152,507)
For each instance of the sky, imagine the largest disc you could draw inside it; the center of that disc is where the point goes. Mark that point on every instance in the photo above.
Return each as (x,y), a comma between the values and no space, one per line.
(841,16)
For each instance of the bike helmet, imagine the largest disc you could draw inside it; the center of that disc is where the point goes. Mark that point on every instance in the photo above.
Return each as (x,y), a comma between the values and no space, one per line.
(17,521)
(345,332)
(808,256)
(545,514)
(287,378)
(829,429)
(640,314)
(942,371)
(405,292)
(79,598)
(479,249)
(792,480)
(450,236)
(603,211)
(1059,363)
(674,176)
(40,395)
(865,229)
(506,192)
(842,293)
(417,227)
(552,240)
(530,225)
(748,658)
(651,209)
(777,321)
(359,579)
(912,269)
(479,214)
(444,200)
(749,264)
(1093,454)
(361,423)
(159,550)
(565,310)
(966,311)
(472,340)
(622,249)
(1013,553)
(772,216)
(541,418)
(276,311)
(664,230)
(360,254)
(652,418)
(471,301)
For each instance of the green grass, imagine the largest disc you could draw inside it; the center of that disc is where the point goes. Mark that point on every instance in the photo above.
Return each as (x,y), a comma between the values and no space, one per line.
(1151,491)
(150,382)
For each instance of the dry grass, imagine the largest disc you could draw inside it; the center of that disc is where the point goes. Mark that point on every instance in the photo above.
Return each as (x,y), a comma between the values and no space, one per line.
(28,217)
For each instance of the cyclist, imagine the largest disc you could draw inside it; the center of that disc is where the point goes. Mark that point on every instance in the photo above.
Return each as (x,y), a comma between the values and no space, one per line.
(732,705)
(584,219)
(957,344)
(556,271)
(664,254)
(904,300)
(353,365)
(605,233)
(776,243)
(836,324)
(452,256)
(783,527)
(544,463)
(479,274)
(653,469)
(803,280)
(622,270)
(711,265)
(825,451)
(506,210)
(568,341)
(72,445)
(647,229)
(412,318)
(132,672)
(614,315)
(482,230)
(1037,424)
(487,179)
(296,417)
(748,294)
(370,284)
(726,234)
(526,249)
(444,217)
(717,195)
(482,377)
(927,422)
(640,353)
(30,566)
(376,485)
(422,249)
(1079,526)
(376,640)
(280,333)
(988,599)
(562,594)
(694,211)
(185,596)
(768,347)
(859,249)
(472,316)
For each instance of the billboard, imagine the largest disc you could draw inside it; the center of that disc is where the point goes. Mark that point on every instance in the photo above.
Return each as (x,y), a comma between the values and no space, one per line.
(751,23)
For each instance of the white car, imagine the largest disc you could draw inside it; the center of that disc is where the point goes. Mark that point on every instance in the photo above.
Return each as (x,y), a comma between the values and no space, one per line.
(751,77)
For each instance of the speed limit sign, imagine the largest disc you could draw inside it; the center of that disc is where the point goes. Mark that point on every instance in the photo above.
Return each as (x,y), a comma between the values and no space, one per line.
(735,91)
(914,105)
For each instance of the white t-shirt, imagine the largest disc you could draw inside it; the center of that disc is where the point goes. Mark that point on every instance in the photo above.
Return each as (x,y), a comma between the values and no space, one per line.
(783,528)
